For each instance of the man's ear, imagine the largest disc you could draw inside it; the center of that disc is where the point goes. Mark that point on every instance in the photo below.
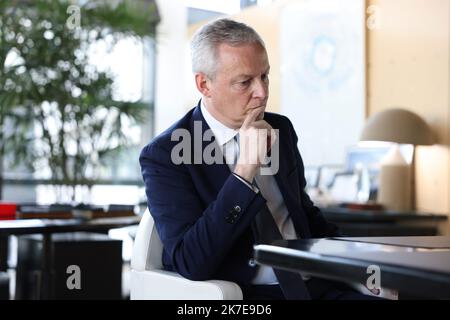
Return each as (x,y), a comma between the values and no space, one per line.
(203,84)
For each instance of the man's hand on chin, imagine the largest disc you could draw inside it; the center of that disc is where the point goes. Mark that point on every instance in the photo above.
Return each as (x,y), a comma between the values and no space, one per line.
(256,137)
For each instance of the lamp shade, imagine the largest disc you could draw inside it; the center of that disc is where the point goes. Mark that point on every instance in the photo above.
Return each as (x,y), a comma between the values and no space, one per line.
(397,125)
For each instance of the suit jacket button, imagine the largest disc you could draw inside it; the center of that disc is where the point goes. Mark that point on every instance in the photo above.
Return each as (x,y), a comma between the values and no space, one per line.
(230,219)
(252,262)
(237,208)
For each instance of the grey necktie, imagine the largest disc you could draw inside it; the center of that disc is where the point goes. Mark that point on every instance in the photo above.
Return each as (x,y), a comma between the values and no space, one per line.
(236,153)
(265,230)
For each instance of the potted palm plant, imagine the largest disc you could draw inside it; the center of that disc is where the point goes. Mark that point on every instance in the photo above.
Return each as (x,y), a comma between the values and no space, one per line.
(57,110)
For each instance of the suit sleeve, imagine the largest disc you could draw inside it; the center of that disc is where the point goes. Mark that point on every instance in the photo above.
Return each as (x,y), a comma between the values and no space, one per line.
(318,225)
(196,239)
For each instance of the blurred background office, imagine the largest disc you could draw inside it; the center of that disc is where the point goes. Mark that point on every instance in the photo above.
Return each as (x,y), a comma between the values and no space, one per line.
(85,84)
(334,66)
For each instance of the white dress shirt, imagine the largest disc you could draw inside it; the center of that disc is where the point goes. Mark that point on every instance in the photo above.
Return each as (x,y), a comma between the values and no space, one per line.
(267,185)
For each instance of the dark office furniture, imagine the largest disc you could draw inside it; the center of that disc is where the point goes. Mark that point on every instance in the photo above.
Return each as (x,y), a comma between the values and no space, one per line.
(48,227)
(416,266)
(95,258)
(4,286)
(384,223)
(60,211)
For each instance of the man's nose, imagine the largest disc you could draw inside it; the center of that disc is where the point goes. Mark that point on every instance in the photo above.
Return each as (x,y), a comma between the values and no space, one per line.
(260,89)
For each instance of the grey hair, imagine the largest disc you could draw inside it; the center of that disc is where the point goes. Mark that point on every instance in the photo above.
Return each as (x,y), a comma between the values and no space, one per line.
(206,40)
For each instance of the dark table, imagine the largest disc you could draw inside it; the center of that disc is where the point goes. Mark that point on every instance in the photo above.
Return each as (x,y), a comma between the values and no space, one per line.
(384,223)
(47,227)
(416,266)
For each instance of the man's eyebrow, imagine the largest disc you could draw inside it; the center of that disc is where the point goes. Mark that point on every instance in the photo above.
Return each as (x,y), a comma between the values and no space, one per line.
(243,75)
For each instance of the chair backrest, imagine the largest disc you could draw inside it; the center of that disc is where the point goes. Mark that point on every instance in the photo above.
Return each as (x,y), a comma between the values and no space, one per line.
(147,250)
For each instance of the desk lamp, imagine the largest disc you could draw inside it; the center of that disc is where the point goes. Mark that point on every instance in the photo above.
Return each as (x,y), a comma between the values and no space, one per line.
(396,180)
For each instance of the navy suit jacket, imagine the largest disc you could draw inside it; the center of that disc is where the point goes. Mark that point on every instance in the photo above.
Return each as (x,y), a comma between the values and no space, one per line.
(203,236)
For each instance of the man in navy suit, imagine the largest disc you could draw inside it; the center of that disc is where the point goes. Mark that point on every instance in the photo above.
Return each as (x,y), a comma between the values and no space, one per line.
(209,175)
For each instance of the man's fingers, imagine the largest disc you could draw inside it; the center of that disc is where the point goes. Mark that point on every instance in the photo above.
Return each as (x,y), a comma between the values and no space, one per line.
(269,131)
(273,136)
(251,117)
(262,124)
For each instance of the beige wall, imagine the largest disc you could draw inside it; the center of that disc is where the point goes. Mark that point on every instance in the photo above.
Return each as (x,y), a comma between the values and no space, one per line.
(408,66)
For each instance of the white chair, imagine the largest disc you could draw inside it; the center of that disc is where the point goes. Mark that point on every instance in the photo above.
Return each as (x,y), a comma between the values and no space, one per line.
(148,280)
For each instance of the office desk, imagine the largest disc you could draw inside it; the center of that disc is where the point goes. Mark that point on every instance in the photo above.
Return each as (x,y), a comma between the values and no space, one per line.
(47,227)
(385,223)
(418,266)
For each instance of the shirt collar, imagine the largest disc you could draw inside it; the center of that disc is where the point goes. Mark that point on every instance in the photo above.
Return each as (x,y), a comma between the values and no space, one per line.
(222,133)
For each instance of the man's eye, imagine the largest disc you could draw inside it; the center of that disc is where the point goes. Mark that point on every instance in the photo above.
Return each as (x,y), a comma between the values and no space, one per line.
(243,84)
(264,77)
